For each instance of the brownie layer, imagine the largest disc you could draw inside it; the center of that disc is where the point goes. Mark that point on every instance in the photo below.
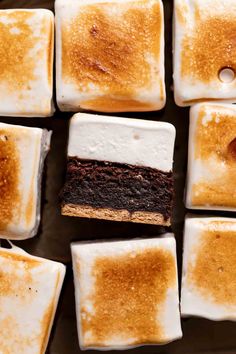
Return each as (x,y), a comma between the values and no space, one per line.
(102,184)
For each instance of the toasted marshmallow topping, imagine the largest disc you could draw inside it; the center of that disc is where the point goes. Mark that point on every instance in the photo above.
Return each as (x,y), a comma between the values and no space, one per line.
(29,293)
(124,140)
(204,51)
(22,153)
(26,62)
(211,182)
(126,293)
(208,282)
(110,55)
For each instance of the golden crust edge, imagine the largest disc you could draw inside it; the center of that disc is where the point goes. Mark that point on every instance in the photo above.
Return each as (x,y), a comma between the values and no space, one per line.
(85,211)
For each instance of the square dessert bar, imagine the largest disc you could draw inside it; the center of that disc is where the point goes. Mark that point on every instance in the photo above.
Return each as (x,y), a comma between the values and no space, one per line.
(110,55)
(204,51)
(209,272)
(211,181)
(22,154)
(119,169)
(126,293)
(29,291)
(26,62)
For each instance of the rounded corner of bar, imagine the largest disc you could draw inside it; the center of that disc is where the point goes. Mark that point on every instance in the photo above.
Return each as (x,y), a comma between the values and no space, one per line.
(48,113)
(171,128)
(62,271)
(49,13)
(64,210)
(186,314)
(178,336)
(179,100)
(157,102)
(188,203)
(83,347)
(14,236)
(64,106)
(160,106)
(73,246)
(166,223)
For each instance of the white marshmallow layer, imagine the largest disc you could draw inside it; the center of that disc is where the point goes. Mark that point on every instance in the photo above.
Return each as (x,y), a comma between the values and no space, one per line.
(123,140)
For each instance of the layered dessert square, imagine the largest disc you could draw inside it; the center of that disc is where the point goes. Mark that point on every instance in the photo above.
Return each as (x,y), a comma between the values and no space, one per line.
(110,55)
(126,293)
(22,154)
(209,273)
(211,181)
(204,51)
(26,62)
(29,291)
(119,169)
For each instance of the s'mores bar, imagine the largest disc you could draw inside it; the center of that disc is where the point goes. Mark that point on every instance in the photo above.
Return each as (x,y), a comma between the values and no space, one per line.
(126,293)
(110,55)
(211,182)
(209,272)
(29,292)
(22,154)
(26,62)
(204,51)
(119,169)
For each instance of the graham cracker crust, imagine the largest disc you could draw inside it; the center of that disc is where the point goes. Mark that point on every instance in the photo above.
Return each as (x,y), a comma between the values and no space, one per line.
(143,217)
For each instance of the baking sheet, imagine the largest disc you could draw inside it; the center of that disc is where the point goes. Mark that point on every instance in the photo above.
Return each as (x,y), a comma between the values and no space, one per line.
(56,232)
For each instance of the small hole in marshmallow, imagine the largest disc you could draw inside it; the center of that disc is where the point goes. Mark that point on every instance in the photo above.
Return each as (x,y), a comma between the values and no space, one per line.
(226,75)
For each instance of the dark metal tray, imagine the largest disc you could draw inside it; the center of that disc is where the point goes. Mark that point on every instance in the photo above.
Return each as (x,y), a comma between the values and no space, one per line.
(56,232)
